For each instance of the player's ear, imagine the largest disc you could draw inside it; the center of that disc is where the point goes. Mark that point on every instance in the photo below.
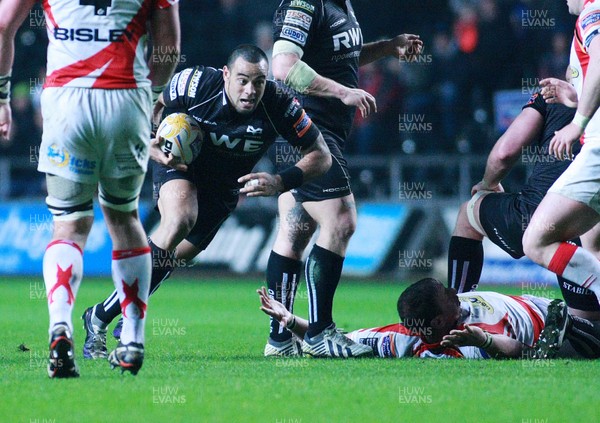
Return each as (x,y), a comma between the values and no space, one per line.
(226,73)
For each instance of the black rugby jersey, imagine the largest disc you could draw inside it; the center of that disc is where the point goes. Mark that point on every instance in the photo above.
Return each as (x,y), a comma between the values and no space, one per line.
(233,142)
(546,168)
(330,36)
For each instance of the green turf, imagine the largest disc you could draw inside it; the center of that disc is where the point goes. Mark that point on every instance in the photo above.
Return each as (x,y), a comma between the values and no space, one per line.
(204,364)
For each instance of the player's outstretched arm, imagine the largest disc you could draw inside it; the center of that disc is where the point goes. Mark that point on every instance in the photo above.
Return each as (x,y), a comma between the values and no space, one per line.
(495,345)
(166,39)
(526,128)
(315,162)
(403,46)
(12,15)
(270,306)
(288,67)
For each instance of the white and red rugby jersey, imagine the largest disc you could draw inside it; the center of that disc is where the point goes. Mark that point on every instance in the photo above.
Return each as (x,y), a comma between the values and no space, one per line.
(586,28)
(516,317)
(98,43)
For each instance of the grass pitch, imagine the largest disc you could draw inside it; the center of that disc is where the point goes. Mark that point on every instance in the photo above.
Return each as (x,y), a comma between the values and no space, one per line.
(204,340)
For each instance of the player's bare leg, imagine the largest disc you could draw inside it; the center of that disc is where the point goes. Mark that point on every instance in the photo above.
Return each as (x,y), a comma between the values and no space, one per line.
(557,219)
(465,251)
(284,268)
(178,206)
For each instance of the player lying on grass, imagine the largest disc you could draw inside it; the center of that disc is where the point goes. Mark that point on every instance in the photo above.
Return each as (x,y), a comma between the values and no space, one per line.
(241,113)
(438,323)
(504,217)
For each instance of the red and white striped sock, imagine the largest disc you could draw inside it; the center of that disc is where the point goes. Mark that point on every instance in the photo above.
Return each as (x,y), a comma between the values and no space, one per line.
(131,271)
(577,265)
(63,270)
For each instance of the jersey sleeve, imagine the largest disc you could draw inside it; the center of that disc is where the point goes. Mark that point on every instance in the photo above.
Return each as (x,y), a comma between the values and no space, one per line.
(293,123)
(589,23)
(536,101)
(295,21)
(165,4)
(392,341)
(182,89)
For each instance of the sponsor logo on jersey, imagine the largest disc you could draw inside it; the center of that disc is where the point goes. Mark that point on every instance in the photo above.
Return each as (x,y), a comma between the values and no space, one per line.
(294,34)
(173,87)
(590,19)
(194,84)
(183,79)
(574,72)
(254,131)
(348,39)
(477,301)
(92,35)
(338,22)
(295,17)
(292,108)
(302,5)
(248,146)
(302,125)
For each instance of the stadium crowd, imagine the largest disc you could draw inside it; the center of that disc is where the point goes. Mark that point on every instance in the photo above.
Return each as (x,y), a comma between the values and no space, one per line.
(472,49)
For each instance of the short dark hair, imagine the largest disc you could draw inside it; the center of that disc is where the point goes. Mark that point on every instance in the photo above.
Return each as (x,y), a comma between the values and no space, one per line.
(248,52)
(419,304)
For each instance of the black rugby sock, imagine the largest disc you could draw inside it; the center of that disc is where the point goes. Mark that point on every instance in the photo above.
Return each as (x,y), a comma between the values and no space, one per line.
(283,274)
(323,271)
(465,261)
(162,267)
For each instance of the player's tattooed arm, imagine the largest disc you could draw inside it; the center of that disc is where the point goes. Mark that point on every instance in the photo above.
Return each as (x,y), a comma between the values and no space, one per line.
(404,46)
(270,306)
(526,128)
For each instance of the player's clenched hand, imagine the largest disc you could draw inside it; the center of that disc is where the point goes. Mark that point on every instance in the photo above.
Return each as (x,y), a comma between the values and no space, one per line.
(273,308)
(5,120)
(557,91)
(161,157)
(406,46)
(359,98)
(483,186)
(260,184)
(470,336)
(561,145)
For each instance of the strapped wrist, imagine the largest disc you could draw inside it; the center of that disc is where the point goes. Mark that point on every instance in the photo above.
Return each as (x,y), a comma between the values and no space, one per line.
(488,341)
(580,120)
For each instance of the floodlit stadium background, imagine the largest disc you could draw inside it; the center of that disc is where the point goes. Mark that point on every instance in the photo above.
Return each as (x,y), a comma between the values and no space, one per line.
(412,163)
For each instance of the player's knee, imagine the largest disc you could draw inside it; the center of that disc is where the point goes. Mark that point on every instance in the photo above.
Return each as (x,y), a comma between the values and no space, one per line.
(532,246)
(344,228)
(180,225)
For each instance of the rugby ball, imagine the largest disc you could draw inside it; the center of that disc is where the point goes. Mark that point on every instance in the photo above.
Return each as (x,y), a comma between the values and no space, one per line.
(181,136)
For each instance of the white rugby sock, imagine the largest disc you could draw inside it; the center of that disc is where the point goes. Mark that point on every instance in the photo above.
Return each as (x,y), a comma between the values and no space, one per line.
(577,265)
(131,270)
(63,270)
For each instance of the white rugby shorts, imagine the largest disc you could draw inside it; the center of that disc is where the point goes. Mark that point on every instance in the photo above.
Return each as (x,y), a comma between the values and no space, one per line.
(581,180)
(91,133)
